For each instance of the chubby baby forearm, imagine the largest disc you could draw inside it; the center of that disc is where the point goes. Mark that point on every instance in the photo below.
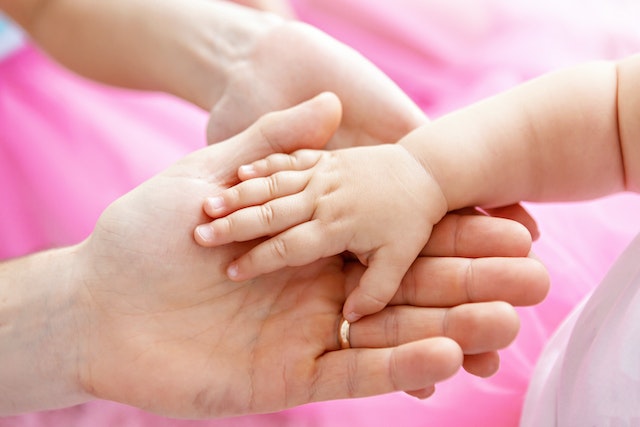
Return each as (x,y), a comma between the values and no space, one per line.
(553,138)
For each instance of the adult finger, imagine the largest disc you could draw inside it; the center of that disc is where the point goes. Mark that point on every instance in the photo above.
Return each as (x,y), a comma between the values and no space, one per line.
(483,364)
(360,372)
(469,235)
(477,328)
(307,125)
(447,282)
(517,213)
(423,393)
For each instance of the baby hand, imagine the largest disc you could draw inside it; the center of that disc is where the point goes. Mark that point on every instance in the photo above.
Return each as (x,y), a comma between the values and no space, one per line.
(377,202)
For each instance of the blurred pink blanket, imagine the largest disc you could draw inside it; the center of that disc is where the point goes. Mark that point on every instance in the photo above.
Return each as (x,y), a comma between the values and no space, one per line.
(70,147)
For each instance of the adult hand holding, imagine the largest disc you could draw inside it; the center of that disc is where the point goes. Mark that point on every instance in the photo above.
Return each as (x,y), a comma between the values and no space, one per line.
(239,62)
(289,62)
(140,314)
(293,62)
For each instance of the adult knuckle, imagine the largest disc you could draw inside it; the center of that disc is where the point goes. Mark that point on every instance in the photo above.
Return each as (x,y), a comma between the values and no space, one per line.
(392,328)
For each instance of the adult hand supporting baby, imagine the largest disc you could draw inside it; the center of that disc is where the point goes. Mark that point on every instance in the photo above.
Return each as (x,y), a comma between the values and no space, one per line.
(142,315)
(238,62)
(290,62)
(268,344)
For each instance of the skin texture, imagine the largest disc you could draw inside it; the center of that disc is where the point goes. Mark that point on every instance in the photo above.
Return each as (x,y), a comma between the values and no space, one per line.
(143,315)
(137,306)
(322,203)
(570,135)
(576,136)
(237,62)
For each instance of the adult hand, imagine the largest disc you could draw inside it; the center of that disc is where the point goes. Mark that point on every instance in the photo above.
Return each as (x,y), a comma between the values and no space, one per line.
(237,61)
(293,62)
(163,329)
(289,62)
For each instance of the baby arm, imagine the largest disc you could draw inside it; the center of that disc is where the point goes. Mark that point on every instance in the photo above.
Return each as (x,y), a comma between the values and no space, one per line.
(569,135)
(375,202)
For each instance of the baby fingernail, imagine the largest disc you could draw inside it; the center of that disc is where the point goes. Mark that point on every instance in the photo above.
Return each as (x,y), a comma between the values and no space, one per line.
(247,170)
(215,203)
(232,271)
(205,232)
(352,317)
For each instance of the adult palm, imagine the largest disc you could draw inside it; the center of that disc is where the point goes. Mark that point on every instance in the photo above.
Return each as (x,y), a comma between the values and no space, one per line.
(166,331)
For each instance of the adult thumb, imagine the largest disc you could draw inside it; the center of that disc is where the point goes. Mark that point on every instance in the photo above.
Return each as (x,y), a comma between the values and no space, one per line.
(310,124)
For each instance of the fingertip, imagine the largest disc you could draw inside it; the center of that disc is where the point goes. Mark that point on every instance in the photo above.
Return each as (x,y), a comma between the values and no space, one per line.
(522,238)
(370,296)
(482,365)
(331,99)
(352,316)
(327,106)
(349,311)
(518,213)
(204,235)
(233,271)
(502,236)
(360,304)
(445,357)
(423,393)
(241,269)
(354,311)
(510,321)
(482,327)
(213,206)
(246,172)
(452,351)
(539,281)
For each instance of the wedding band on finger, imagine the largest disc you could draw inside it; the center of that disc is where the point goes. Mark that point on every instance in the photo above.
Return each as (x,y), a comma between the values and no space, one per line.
(343,333)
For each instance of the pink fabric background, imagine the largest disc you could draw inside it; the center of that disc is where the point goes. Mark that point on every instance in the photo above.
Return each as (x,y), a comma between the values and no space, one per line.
(69,147)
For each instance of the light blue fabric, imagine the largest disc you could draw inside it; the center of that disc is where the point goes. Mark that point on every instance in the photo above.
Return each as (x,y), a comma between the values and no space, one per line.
(11,36)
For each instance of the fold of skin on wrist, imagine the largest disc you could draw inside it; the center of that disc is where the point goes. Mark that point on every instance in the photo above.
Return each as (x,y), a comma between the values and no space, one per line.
(39,330)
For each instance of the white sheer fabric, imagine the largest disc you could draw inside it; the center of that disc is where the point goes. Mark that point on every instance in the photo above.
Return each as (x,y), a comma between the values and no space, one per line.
(589,373)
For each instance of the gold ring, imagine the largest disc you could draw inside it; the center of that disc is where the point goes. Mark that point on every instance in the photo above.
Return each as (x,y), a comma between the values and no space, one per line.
(343,334)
